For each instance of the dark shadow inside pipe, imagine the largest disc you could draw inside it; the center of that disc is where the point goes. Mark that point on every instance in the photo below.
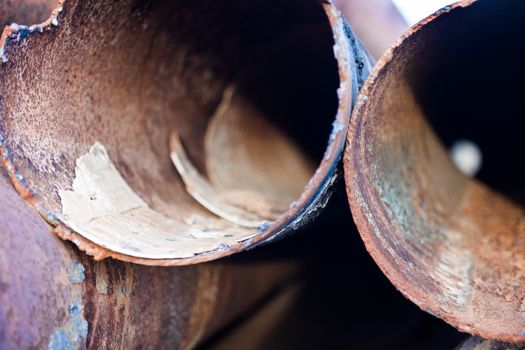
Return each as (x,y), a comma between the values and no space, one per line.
(278,55)
(470,84)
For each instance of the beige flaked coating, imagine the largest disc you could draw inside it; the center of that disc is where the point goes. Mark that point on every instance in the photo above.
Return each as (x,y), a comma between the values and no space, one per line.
(245,152)
(243,208)
(104,209)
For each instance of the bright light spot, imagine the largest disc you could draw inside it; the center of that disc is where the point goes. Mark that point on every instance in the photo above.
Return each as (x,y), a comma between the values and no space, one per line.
(467,157)
(415,10)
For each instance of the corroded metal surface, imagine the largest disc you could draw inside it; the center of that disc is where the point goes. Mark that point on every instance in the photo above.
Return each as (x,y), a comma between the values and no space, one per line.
(452,244)
(53,296)
(128,74)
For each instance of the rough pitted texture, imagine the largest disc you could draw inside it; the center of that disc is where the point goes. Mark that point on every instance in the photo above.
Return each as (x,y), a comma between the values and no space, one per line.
(453,245)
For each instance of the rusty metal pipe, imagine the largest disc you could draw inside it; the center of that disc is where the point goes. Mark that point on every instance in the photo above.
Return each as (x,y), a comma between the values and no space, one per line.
(452,244)
(91,97)
(54,296)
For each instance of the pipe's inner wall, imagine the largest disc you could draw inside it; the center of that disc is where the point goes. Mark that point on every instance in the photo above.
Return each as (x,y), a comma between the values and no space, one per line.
(25,12)
(128,74)
(454,244)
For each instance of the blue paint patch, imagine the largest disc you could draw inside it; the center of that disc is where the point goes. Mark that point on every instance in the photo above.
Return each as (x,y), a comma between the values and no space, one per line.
(52,218)
(23,33)
(74,333)
(78,325)
(75,272)
(74,309)
(60,341)
(263,227)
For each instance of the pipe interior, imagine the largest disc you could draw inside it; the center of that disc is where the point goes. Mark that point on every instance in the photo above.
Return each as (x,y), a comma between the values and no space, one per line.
(25,12)
(453,244)
(470,86)
(128,74)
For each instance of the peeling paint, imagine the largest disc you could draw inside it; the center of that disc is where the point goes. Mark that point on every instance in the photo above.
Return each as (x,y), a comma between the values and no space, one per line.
(75,272)
(60,341)
(110,214)
(243,208)
(16,32)
(264,226)
(74,333)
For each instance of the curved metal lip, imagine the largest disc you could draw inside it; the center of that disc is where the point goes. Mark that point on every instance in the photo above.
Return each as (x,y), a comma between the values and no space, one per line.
(306,203)
(357,205)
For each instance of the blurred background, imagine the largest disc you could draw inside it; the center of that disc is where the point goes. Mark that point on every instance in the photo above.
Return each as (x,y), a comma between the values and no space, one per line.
(379,22)
(415,10)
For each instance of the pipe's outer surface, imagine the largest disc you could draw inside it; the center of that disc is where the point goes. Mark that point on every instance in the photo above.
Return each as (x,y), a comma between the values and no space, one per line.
(54,108)
(452,244)
(53,296)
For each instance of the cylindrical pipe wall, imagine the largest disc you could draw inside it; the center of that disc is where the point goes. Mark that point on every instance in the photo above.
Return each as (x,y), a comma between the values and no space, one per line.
(451,243)
(92,97)
(54,296)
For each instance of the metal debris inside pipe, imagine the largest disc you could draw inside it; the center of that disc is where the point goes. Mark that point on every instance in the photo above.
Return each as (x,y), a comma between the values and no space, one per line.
(453,244)
(90,103)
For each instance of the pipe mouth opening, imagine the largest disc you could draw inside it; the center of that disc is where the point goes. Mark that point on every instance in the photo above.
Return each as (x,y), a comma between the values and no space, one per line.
(26,12)
(172,130)
(469,88)
(452,243)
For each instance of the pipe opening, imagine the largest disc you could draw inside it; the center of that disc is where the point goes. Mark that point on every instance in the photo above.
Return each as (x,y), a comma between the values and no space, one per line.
(469,86)
(453,244)
(249,90)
